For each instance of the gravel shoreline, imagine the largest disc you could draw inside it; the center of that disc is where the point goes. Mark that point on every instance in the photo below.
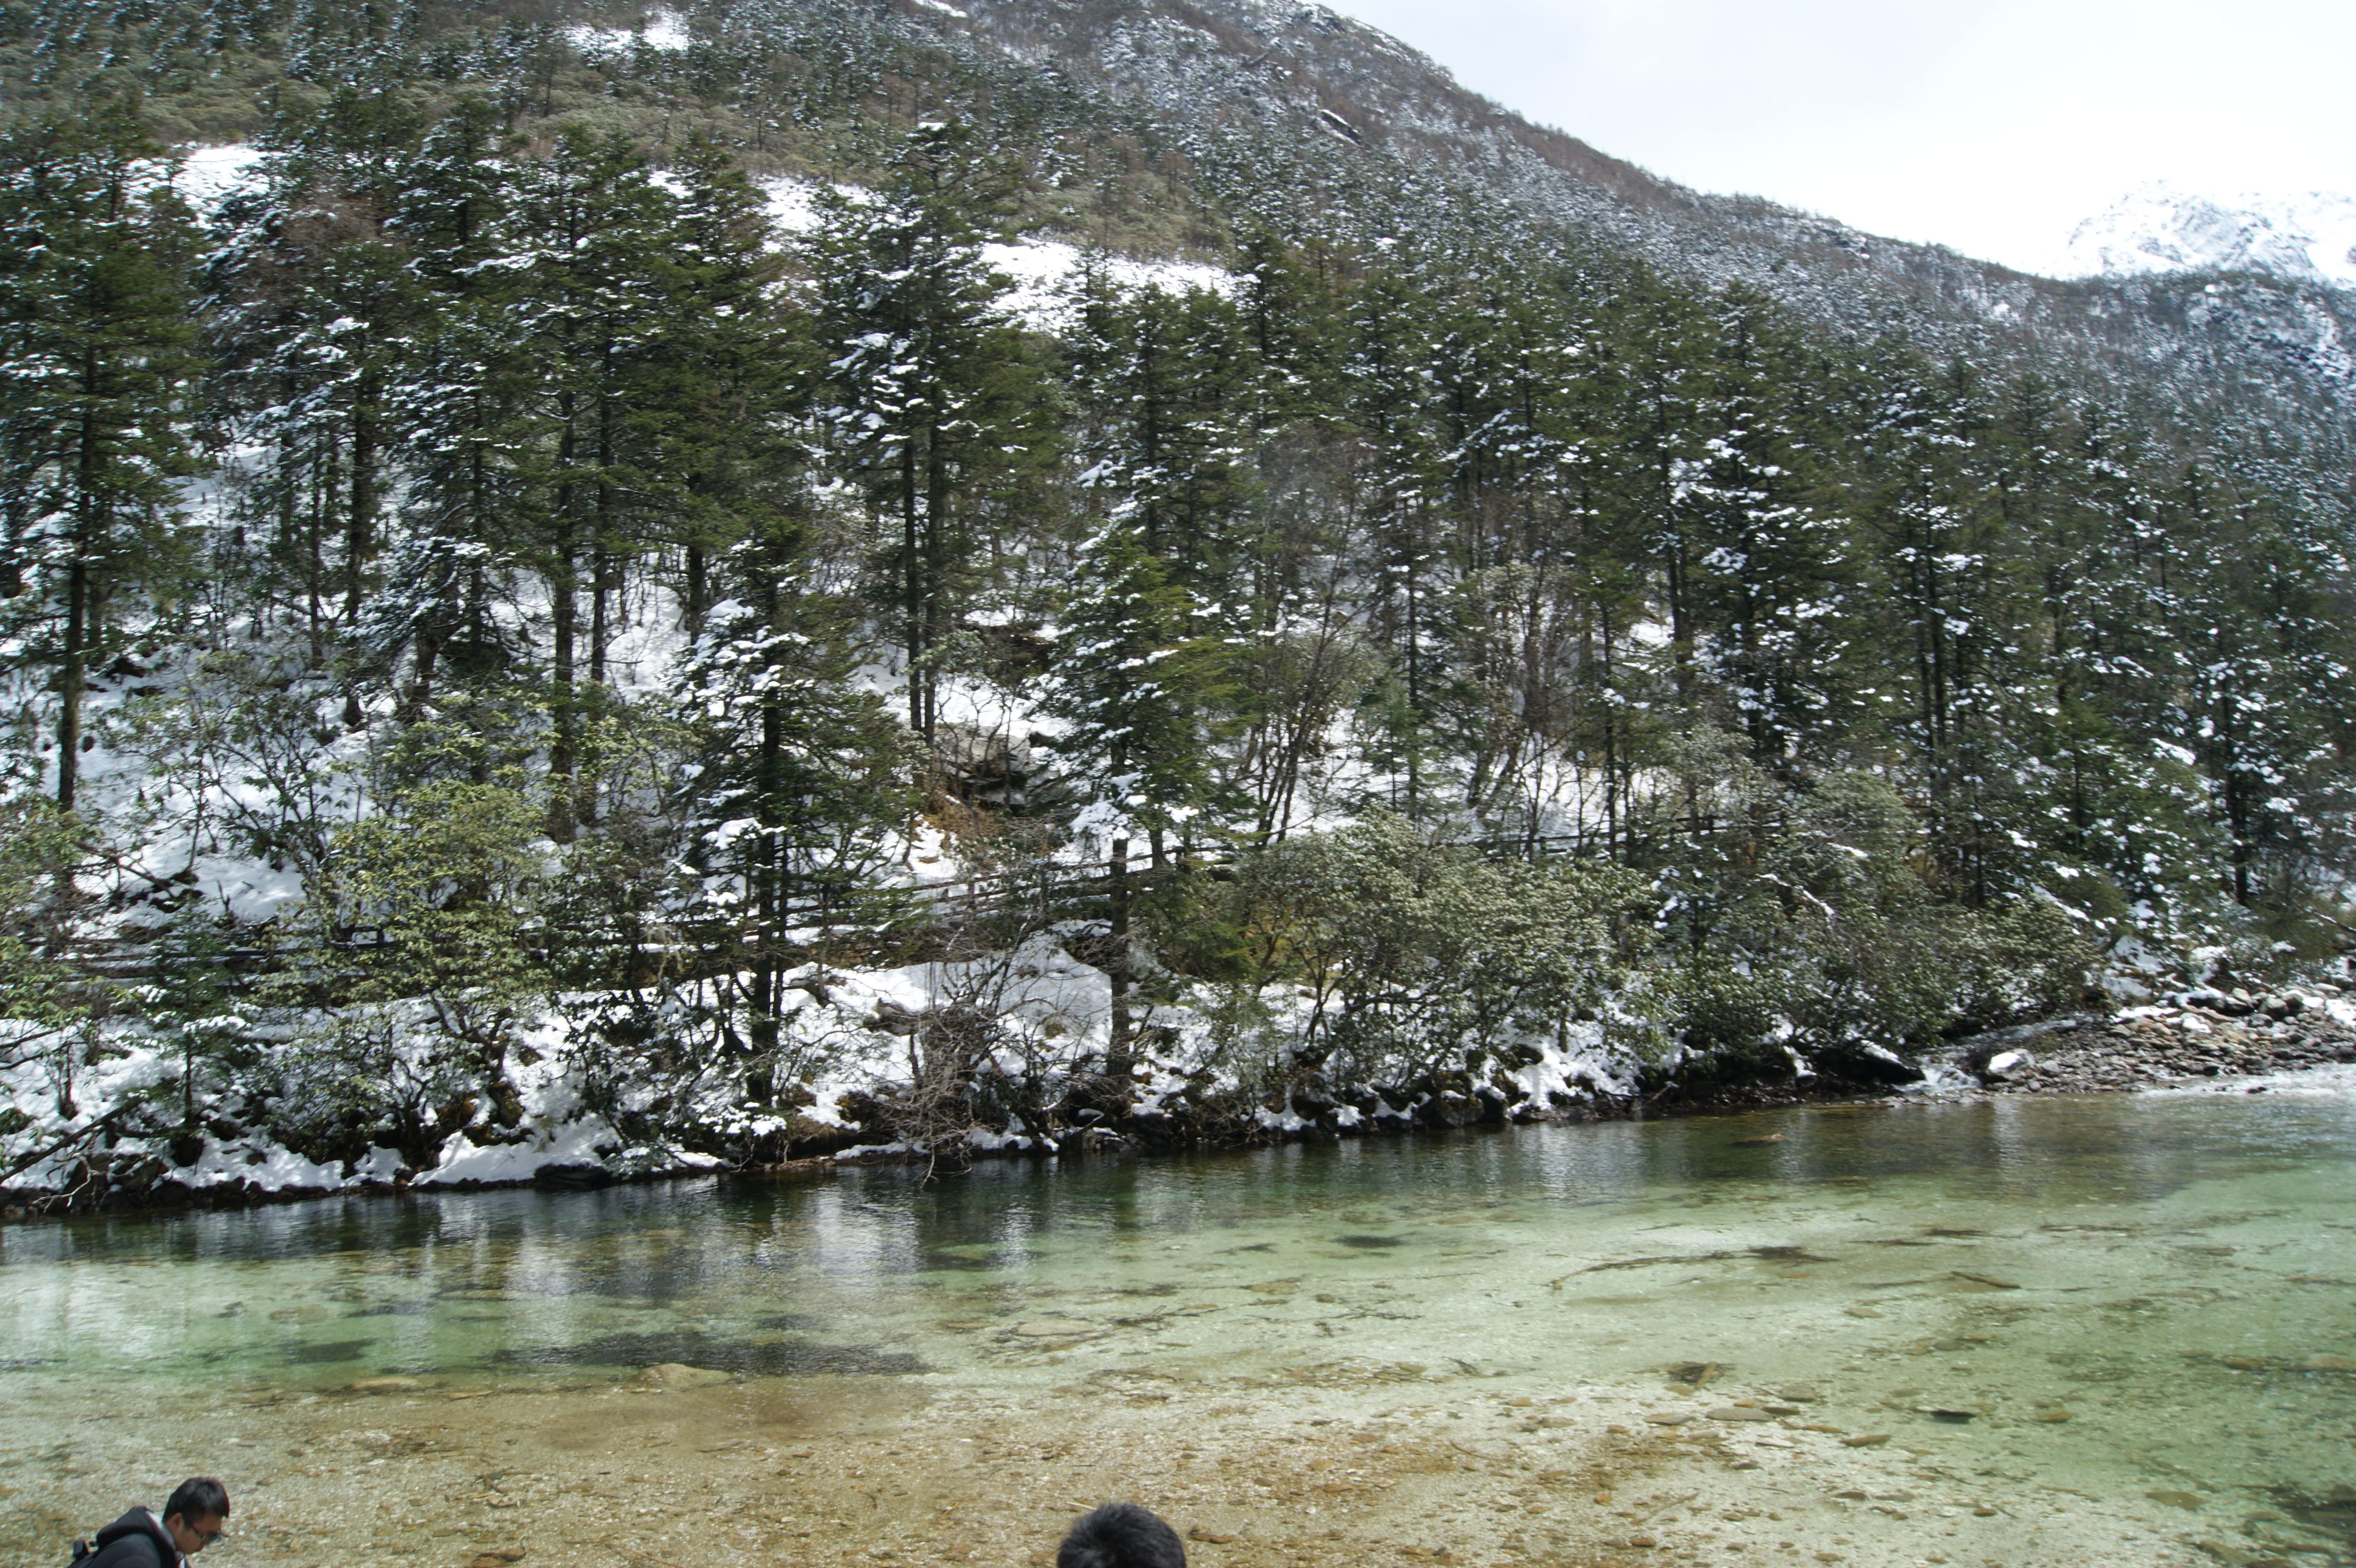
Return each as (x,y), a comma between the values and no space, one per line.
(2190,1036)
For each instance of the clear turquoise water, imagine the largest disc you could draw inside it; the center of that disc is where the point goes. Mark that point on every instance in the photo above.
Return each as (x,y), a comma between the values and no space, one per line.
(2177,1274)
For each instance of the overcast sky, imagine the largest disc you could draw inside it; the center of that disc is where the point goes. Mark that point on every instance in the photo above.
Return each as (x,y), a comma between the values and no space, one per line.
(1990,126)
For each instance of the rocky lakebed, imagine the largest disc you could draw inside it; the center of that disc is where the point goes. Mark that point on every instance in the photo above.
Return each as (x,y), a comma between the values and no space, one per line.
(1986,1331)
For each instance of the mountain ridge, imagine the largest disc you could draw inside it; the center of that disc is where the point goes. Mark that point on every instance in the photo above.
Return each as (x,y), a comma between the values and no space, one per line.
(2230,348)
(1227,110)
(2160,227)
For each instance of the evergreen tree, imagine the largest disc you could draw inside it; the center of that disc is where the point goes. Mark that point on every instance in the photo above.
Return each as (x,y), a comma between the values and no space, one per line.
(1137,681)
(312,309)
(1161,384)
(590,230)
(733,370)
(936,401)
(462,408)
(93,321)
(1770,580)
(1387,377)
(797,783)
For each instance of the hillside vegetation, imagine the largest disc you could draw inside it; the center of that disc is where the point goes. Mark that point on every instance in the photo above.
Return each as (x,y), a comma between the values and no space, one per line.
(502,640)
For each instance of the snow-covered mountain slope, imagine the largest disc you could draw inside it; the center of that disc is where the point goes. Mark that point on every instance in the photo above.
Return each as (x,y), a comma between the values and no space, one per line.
(1282,106)
(2161,229)
(1168,126)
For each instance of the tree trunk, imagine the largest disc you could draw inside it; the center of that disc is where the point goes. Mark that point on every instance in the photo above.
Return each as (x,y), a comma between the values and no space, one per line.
(1118,1061)
(1611,752)
(771,895)
(912,608)
(360,522)
(564,614)
(600,591)
(69,681)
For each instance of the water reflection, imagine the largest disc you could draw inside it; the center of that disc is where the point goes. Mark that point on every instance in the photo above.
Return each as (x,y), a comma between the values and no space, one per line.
(2175,1275)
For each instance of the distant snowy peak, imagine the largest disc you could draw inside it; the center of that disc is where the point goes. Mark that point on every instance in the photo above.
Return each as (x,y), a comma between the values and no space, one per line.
(2161,229)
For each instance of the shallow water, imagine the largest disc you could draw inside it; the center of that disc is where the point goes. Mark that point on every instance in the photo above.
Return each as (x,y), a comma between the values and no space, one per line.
(2139,1309)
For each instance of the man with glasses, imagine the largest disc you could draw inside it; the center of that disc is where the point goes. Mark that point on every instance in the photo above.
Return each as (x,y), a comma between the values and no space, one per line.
(192,1520)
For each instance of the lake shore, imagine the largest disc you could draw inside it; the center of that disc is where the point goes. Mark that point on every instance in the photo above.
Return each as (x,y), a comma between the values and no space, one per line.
(2199,1038)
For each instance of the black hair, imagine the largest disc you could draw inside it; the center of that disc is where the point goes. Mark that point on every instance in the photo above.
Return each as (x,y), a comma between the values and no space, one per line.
(1120,1535)
(196,1497)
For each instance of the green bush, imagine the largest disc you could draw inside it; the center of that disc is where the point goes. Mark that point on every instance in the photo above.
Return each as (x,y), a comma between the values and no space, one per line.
(1419,957)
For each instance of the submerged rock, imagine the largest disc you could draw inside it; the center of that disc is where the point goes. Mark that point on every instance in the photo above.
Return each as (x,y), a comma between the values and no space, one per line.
(575,1177)
(750,1357)
(673,1375)
(1055,1329)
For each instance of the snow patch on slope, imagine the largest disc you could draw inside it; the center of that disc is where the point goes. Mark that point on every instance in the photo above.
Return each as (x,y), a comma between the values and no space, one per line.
(209,174)
(2158,228)
(664,31)
(1043,270)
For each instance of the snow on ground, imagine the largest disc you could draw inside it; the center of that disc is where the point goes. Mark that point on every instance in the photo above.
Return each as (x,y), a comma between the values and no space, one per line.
(1054,1015)
(1042,271)
(208,174)
(793,203)
(662,31)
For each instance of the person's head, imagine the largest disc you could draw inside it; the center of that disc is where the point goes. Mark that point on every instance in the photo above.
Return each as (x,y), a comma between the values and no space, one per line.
(1120,1535)
(197,1513)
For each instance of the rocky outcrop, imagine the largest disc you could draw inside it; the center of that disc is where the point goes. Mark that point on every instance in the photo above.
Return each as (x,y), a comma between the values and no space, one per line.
(2192,1035)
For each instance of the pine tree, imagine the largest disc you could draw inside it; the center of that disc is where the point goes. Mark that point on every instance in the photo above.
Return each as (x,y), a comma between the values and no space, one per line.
(797,782)
(311,308)
(732,374)
(93,301)
(1162,385)
(589,228)
(935,403)
(462,406)
(1769,581)
(1955,683)
(1386,375)
(1138,682)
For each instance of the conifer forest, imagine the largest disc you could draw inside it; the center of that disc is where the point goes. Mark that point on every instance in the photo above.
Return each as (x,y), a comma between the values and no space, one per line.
(594,604)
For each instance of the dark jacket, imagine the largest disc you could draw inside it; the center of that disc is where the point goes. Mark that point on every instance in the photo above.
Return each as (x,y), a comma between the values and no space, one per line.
(137,1540)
